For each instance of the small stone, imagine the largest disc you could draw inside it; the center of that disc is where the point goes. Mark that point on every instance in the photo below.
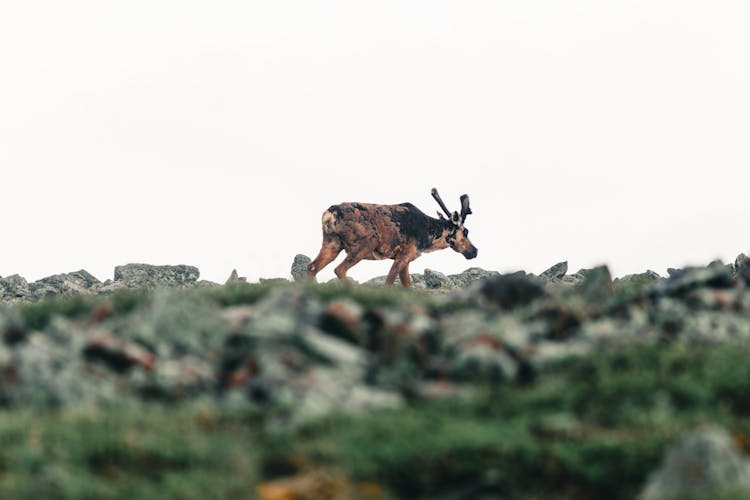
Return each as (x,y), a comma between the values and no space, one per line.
(299,267)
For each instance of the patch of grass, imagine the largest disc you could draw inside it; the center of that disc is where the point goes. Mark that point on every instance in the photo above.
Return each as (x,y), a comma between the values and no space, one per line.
(150,452)
(591,427)
(369,295)
(239,293)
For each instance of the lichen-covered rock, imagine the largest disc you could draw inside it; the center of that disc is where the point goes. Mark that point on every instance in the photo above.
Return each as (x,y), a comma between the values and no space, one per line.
(13,287)
(436,279)
(703,463)
(682,281)
(299,267)
(148,276)
(597,285)
(647,278)
(576,278)
(417,281)
(556,272)
(75,283)
(470,276)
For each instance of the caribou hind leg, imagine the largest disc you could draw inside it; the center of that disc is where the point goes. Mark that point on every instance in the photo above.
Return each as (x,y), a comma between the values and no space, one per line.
(404,276)
(350,260)
(328,252)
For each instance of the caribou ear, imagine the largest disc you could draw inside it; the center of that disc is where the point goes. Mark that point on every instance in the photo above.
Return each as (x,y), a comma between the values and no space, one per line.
(465,208)
(456,218)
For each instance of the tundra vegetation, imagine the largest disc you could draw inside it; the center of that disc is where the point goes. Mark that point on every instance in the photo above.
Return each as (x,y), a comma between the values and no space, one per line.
(477,385)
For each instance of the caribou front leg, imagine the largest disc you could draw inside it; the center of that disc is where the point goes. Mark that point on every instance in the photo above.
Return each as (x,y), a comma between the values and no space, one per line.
(399,267)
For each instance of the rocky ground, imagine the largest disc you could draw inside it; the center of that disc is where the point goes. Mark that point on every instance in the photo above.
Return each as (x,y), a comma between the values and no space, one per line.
(502,386)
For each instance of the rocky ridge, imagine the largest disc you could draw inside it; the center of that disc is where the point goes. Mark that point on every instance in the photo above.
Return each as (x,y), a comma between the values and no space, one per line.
(16,288)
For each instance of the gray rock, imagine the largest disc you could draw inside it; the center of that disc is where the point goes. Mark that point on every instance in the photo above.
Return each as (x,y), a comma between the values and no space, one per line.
(640,278)
(110,286)
(682,281)
(597,285)
(742,267)
(576,278)
(435,279)
(75,283)
(299,267)
(148,276)
(555,272)
(235,278)
(471,275)
(417,281)
(13,287)
(704,463)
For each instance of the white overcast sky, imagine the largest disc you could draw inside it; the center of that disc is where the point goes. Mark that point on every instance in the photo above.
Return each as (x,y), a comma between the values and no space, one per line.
(216,133)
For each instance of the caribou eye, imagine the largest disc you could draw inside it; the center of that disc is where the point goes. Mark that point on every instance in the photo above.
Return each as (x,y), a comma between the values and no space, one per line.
(466,232)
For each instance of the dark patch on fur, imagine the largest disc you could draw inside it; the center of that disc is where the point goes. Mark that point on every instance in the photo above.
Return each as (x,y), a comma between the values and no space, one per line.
(337,211)
(416,224)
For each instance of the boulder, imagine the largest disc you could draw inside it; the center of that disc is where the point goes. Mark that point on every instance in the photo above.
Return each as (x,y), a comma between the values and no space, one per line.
(299,267)
(597,285)
(682,281)
(75,283)
(435,279)
(471,275)
(13,287)
(556,272)
(703,463)
(148,276)
(640,278)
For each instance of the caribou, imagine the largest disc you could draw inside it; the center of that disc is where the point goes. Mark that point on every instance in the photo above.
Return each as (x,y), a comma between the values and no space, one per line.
(399,232)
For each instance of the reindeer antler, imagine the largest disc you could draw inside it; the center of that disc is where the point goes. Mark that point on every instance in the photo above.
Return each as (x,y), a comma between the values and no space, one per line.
(440,202)
(465,209)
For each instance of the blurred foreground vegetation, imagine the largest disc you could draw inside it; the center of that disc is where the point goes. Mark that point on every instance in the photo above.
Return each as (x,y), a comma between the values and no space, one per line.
(591,427)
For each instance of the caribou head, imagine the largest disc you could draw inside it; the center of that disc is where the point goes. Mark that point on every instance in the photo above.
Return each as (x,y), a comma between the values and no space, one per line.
(458,236)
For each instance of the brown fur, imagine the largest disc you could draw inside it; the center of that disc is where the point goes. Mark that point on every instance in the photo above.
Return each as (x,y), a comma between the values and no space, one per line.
(375,232)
